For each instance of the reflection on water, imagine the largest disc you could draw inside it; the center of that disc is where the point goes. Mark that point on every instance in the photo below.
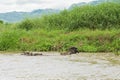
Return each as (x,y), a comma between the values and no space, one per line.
(17,67)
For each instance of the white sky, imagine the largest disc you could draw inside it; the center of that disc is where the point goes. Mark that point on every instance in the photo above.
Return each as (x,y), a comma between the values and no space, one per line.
(29,5)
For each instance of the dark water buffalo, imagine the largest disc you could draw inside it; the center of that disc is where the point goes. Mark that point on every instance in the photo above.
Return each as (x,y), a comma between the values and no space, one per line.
(71,50)
(27,53)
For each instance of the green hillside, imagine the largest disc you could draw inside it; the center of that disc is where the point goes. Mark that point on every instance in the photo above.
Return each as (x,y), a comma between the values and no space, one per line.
(89,28)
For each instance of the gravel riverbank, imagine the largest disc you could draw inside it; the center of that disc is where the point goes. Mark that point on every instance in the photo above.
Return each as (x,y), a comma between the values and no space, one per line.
(57,67)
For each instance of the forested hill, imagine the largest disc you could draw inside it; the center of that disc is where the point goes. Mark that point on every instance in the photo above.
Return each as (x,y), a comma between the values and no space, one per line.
(19,16)
(94,2)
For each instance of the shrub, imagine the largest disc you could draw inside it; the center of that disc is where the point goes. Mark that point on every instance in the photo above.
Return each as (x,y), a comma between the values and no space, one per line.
(26,24)
(1,22)
(9,40)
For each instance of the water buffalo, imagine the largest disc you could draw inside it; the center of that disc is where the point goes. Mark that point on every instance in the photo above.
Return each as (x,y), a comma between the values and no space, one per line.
(28,53)
(71,50)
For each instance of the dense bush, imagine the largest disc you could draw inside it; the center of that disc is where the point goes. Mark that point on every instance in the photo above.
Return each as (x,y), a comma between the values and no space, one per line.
(26,24)
(1,22)
(103,16)
(9,40)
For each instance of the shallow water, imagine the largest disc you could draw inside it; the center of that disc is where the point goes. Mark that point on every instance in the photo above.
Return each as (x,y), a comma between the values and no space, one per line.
(19,67)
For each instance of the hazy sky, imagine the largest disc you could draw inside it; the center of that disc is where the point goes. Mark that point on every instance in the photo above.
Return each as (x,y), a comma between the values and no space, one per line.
(29,5)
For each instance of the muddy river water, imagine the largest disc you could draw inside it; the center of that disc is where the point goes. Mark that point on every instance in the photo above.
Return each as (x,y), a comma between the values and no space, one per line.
(56,67)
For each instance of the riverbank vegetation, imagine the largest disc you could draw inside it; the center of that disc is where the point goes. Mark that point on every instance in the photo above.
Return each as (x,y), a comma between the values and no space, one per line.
(89,28)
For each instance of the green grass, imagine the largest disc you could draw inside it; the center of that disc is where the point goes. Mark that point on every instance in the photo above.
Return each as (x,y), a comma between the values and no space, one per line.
(59,40)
